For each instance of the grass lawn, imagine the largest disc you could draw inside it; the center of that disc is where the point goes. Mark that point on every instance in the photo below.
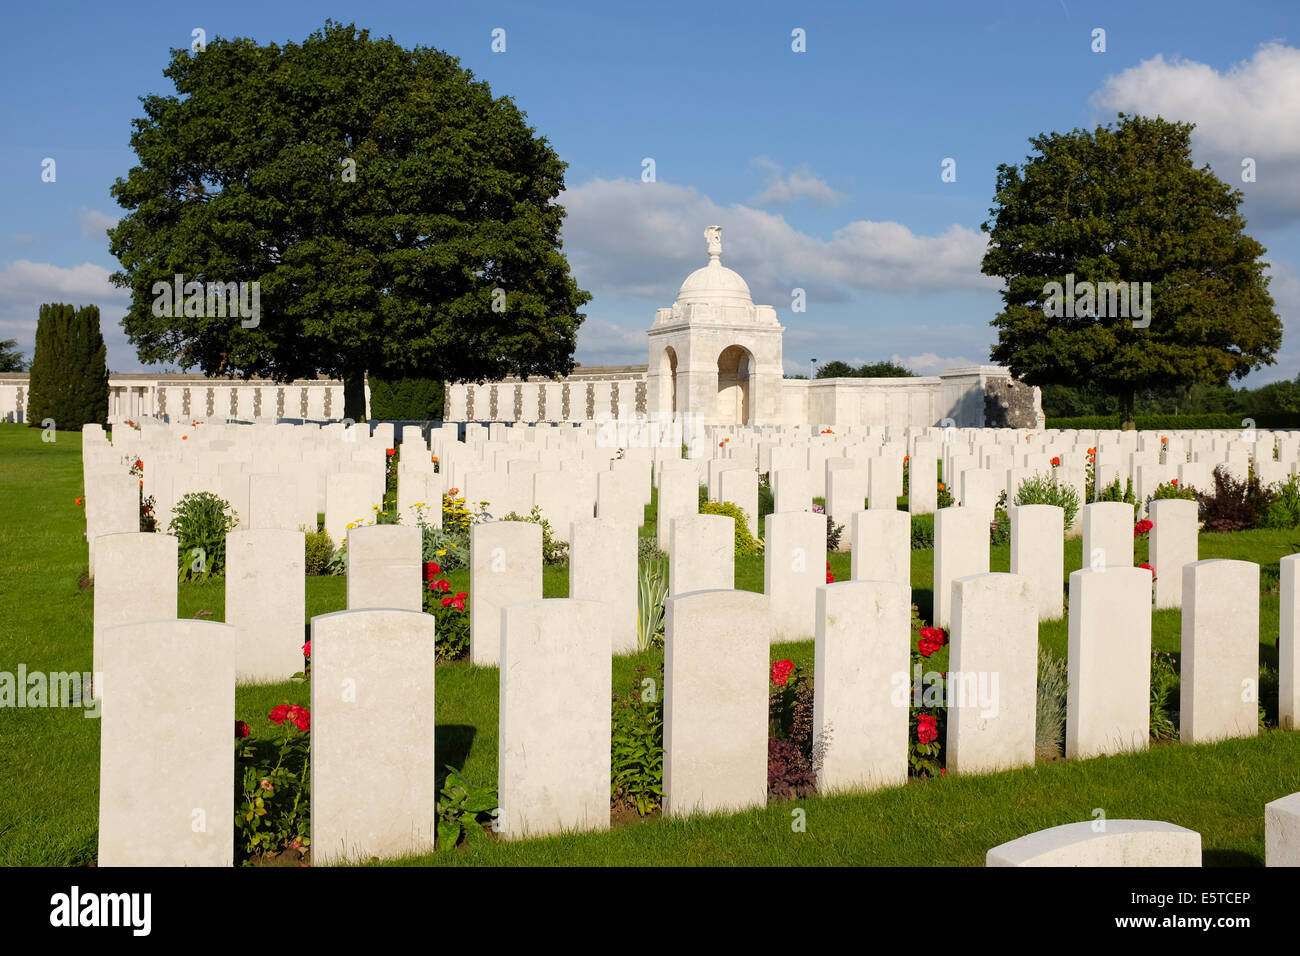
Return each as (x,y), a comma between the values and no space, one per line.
(49,757)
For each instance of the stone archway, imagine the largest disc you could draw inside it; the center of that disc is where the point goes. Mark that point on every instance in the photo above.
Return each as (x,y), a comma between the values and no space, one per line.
(668,382)
(735,374)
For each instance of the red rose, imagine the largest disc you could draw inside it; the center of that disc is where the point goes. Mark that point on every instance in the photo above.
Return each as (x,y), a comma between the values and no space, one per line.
(446,602)
(781,672)
(241,729)
(927,732)
(1056,461)
(277,715)
(302,718)
(390,452)
(306,649)
(458,602)
(442,585)
(139,464)
(435,567)
(935,635)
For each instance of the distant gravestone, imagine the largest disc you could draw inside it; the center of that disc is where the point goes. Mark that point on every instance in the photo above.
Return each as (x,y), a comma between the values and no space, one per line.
(135,582)
(266,603)
(794,567)
(1219,673)
(1108,535)
(603,568)
(961,548)
(701,553)
(1038,553)
(505,568)
(384,568)
(882,546)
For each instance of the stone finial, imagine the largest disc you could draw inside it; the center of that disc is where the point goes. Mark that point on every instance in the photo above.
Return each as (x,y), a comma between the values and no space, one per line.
(714,236)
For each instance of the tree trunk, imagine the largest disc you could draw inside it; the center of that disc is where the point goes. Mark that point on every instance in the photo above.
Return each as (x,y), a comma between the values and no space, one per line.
(1127,401)
(354,396)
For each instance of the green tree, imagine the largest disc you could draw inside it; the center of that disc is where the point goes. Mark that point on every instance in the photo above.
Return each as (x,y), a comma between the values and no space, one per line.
(835,369)
(406,399)
(69,374)
(398,218)
(11,360)
(884,370)
(1125,203)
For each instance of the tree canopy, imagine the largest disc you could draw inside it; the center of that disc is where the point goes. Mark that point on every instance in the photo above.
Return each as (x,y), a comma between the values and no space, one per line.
(838,369)
(69,374)
(396,217)
(1187,300)
(11,360)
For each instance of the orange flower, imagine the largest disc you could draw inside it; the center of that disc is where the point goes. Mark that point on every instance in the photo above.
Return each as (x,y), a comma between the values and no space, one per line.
(941,488)
(906,457)
(434,458)
(390,452)
(1164,441)
(1173,481)
(721,443)
(141,482)
(78,501)
(453,491)
(185,438)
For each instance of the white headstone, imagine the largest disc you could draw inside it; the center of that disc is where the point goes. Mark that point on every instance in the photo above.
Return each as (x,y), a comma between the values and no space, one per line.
(384,567)
(266,603)
(505,568)
(1219,686)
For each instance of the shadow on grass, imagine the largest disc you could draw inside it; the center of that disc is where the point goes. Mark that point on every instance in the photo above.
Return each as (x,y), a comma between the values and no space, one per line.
(1229,858)
(451,745)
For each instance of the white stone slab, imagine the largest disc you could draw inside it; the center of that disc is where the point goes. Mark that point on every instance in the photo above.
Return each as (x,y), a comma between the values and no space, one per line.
(1219,687)
(505,568)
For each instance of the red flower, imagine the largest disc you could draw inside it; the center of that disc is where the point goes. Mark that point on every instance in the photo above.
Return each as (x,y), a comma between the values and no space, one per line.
(830,578)
(241,729)
(439,585)
(1142,527)
(927,646)
(1056,461)
(431,570)
(78,501)
(390,452)
(302,718)
(446,602)
(139,464)
(277,715)
(306,649)
(927,730)
(1149,568)
(458,602)
(934,635)
(781,672)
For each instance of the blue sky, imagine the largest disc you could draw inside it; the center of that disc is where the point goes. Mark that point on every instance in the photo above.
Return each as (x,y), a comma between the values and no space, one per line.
(823,167)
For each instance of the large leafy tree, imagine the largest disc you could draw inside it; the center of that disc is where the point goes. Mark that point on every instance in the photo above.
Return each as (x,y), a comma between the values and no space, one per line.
(1124,203)
(884,369)
(69,373)
(398,218)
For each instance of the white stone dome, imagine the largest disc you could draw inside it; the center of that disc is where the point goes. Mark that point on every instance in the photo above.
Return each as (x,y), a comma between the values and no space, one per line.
(715,283)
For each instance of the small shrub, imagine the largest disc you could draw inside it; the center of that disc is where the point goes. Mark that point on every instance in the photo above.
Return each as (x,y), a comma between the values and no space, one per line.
(766,500)
(1112,492)
(1049,724)
(1042,490)
(944,497)
(1234,504)
(439,546)
(200,522)
(451,640)
(747,546)
(647,549)
(554,551)
(462,811)
(928,715)
(793,756)
(1164,681)
(319,551)
(1285,511)
(834,532)
(637,746)
(1172,489)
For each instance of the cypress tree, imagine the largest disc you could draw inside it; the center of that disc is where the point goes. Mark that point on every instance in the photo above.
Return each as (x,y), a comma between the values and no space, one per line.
(69,373)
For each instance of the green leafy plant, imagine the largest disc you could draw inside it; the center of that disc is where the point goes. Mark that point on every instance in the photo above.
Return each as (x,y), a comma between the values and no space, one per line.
(272,794)
(319,550)
(554,551)
(452,616)
(1164,682)
(637,751)
(647,549)
(1284,512)
(1112,492)
(922,532)
(462,811)
(447,549)
(747,546)
(1042,490)
(928,716)
(793,755)
(200,522)
(651,593)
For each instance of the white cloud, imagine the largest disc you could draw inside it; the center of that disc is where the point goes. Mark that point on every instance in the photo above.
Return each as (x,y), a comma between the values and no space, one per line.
(601,342)
(94,223)
(25,286)
(800,184)
(628,239)
(1250,110)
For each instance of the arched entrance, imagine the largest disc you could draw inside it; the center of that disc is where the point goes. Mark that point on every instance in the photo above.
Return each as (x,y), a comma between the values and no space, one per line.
(668,382)
(735,368)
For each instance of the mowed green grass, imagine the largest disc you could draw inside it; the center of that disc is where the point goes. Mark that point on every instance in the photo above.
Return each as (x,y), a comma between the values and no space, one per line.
(49,757)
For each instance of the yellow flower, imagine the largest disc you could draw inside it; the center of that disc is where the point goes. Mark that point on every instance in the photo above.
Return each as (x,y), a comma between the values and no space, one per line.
(442,552)
(374,507)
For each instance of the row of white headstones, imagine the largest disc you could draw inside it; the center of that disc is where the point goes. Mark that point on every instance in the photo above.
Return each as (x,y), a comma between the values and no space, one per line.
(716,746)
